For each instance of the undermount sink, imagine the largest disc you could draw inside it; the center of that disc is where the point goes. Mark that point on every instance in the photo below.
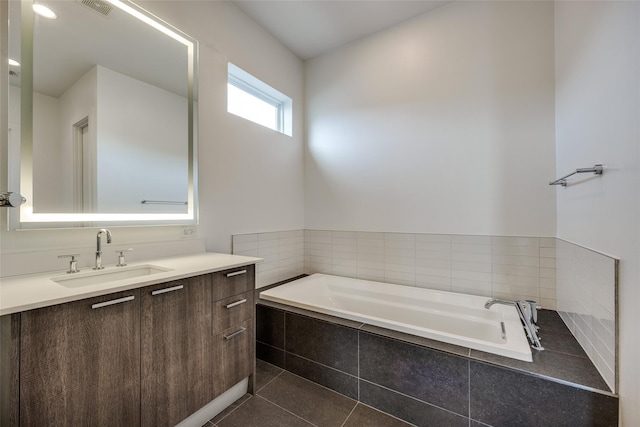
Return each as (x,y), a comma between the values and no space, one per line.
(107,275)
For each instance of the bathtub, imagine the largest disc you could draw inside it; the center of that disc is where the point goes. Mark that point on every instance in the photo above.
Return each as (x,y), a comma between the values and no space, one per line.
(450,317)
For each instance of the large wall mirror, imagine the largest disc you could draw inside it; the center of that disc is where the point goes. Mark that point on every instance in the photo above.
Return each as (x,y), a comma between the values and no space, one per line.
(102,109)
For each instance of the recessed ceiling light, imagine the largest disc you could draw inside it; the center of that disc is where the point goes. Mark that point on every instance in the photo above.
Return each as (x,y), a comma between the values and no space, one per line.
(43,10)
(14,62)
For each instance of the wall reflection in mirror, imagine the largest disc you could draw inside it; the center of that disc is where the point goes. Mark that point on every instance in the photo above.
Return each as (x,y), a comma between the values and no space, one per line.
(101,114)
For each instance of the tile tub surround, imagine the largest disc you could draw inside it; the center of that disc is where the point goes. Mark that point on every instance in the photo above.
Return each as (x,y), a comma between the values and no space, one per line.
(584,291)
(425,382)
(282,251)
(492,266)
(587,302)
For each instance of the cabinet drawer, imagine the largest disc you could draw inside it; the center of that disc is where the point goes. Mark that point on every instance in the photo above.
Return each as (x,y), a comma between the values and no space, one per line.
(234,347)
(233,281)
(232,311)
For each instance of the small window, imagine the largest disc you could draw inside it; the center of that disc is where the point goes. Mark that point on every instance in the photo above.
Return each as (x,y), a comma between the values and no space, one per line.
(254,100)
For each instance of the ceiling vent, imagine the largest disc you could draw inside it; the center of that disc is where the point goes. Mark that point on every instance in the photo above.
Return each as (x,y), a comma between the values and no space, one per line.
(102,7)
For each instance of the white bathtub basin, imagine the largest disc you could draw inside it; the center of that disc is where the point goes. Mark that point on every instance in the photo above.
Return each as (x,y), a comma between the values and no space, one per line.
(450,317)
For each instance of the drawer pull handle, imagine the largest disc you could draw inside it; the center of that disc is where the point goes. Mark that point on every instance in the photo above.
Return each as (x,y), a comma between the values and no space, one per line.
(235,334)
(165,290)
(236,273)
(112,302)
(233,304)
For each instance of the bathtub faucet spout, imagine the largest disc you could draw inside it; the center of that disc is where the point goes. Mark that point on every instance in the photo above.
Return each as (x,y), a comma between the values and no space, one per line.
(527,310)
(492,301)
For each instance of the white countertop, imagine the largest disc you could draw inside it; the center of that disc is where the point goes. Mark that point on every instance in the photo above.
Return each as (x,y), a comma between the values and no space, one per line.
(20,293)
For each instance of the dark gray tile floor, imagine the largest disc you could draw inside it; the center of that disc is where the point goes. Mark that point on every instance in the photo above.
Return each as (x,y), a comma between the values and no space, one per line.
(286,400)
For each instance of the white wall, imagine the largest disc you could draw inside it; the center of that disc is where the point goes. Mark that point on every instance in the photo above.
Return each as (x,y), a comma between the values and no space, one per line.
(250,178)
(46,142)
(129,136)
(53,119)
(443,124)
(141,152)
(598,116)
(75,104)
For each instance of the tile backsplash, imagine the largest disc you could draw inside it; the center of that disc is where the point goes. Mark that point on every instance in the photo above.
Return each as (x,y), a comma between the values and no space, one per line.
(502,267)
(282,251)
(587,301)
(577,282)
(492,266)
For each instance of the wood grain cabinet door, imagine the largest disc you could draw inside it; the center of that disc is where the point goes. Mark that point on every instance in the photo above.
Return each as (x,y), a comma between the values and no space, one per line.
(176,340)
(80,363)
(234,355)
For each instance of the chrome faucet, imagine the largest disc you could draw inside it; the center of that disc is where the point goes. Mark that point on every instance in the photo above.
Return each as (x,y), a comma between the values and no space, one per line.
(492,301)
(527,310)
(99,247)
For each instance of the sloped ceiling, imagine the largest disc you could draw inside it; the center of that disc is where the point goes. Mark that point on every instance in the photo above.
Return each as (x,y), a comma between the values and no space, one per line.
(312,27)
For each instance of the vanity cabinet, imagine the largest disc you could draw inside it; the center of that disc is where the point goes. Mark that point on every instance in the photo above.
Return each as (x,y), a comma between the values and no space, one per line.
(147,357)
(233,313)
(80,363)
(176,335)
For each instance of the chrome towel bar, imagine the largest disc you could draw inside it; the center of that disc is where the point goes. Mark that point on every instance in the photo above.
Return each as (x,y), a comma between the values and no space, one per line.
(162,202)
(596,170)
